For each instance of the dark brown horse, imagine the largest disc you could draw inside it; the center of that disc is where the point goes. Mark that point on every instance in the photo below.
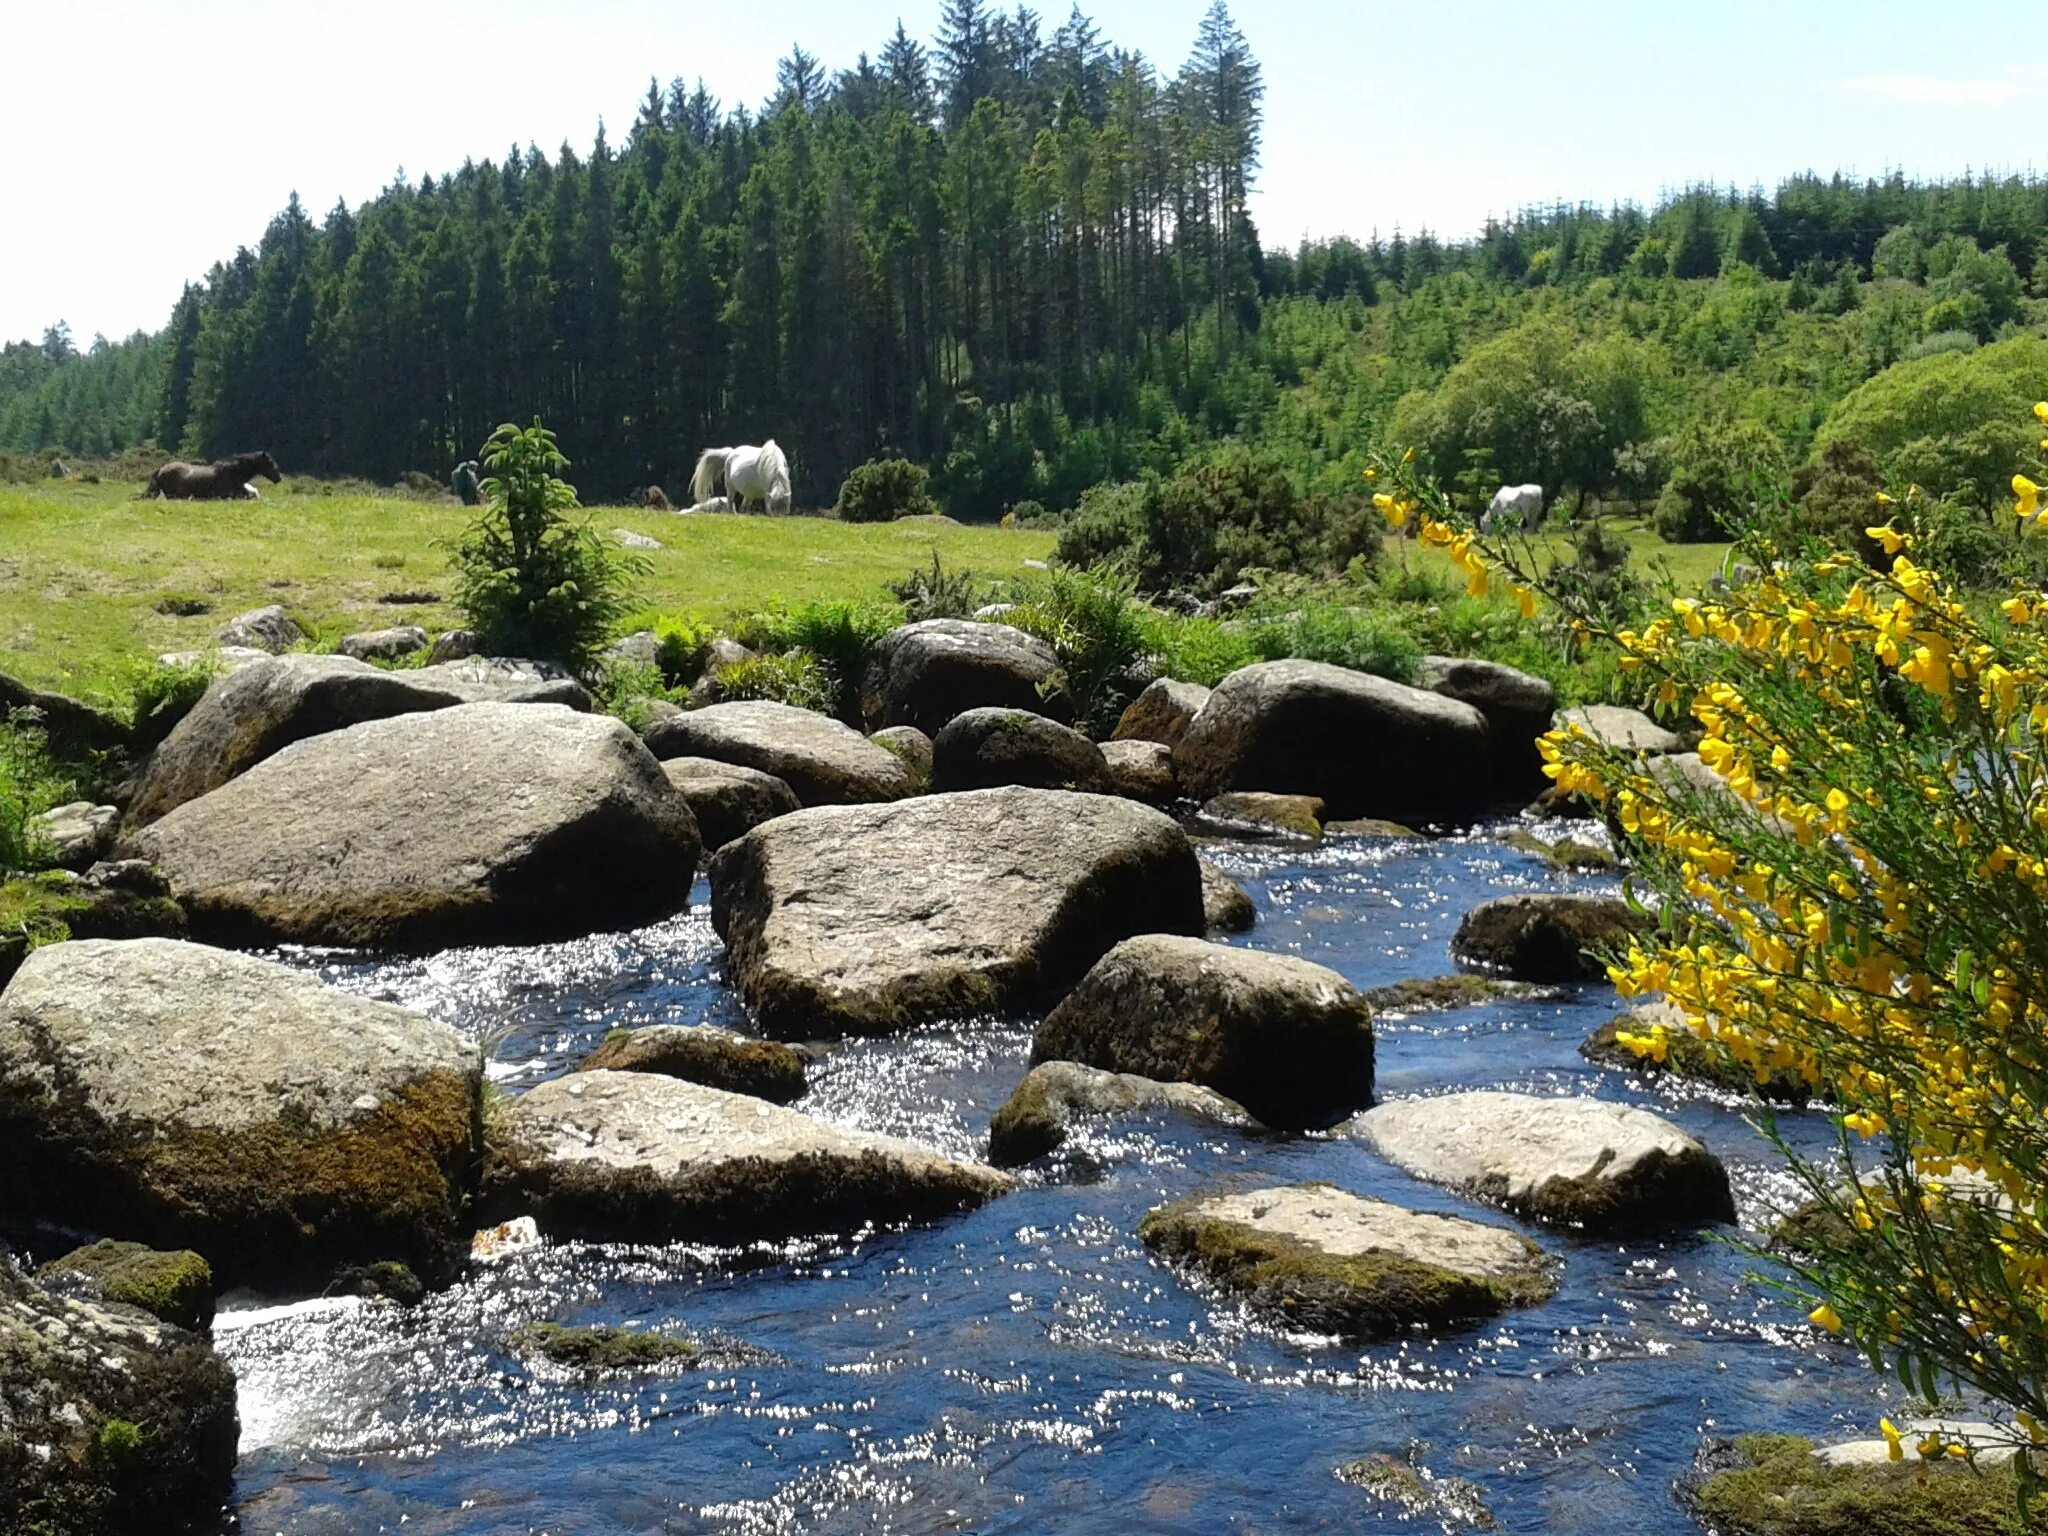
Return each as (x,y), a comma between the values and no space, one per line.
(222,480)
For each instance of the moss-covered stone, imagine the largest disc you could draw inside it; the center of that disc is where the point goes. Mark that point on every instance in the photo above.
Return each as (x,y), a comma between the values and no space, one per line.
(1036,1117)
(1774,1485)
(386,1280)
(1691,1058)
(1435,994)
(1365,1276)
(1371,827)
(49,908)
(718,1058)
(601,1350)
(1415,1493)
(176,1287)
(1569,853)
(1249,813)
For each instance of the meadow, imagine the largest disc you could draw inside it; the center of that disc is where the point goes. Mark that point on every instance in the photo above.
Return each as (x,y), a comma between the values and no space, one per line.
(93,581)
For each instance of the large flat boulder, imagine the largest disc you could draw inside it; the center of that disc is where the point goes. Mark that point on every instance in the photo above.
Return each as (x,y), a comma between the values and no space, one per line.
(1546,936)
(990,747)
(1042,1110)
(1366,746)
(728,800)
(866,919)
(1581,1163)
(1317,1258)
(1518,708)
(259,709)
(1162,712)
(824,761)
(112,1423)
(479,823)
(190,1097)
(1290,1040)
(634,1156)
(924,674)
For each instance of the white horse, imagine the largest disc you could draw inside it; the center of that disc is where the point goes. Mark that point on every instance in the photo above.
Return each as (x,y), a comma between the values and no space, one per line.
(1519,506)
(749,474)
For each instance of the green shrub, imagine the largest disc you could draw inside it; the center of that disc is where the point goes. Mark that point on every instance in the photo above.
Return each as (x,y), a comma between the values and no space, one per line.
(30,783)
(1030,514)
(1194,650)
(1720,472)
(793,677)
(933,592)
(1208,524)
(883,490)
(681,644)
(531,579)
(838,635)
(628,689)
(160,695)
(1834,495)
(1095,624)
(1364,639)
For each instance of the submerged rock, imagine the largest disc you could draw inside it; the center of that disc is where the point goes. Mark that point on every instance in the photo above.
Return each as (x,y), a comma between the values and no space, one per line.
(1317,1258)
(190,1097)
(728,801)
(1366,746)
(1161,713)
(111,1422)
(703,1053)
(1436,994)
(1036,1117)
(481,823)
(1226,906)
(176,1288)
(1252,814)
(1582,1163)
(1549,937)
(1141,770)
(867,919)
(1567,853)
(1289,1040)
(257,710)
(602,1350)
(991,747)
(633,1156)
(1416,1493)
(825,762)
(925,674)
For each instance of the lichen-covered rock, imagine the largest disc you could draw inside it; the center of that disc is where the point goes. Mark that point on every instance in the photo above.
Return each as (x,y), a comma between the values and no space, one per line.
(455,645)
(1226,906)
(191,1097)
(1317,1258)
(991,747)
(1436,994)
(1253,814)
(824,761)
(1619,729)
(111,1423)
(263,629)
(1581,1163)
(1290,1040)
(1366,746)
(1546,937)
(1037,1116)
(728,800)
(867,919)
(1782,1485)
(636,1156)
(176,1288)
(1141,771)
(910,744)
(703,1053)
(77,835)
(925,674)
(1162,712)
(480,823)
(385,644)
(1687,1056)
(1518,708)
(256,711)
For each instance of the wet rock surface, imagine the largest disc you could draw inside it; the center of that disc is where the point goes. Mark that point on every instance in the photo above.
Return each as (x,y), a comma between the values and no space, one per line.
(823,761)
(703,1053)
(1036,1118)
(1548,937)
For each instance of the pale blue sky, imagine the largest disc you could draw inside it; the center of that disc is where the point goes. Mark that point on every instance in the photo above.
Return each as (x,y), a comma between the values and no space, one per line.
(122,183)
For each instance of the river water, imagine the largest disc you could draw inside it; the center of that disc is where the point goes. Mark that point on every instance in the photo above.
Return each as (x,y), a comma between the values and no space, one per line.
(1028,1367)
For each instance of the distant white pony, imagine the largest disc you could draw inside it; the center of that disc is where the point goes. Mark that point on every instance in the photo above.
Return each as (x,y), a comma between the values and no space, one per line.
(748,474)
(1518,507)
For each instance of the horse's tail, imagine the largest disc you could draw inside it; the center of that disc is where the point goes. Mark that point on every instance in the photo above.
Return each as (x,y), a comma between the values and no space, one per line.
(710,465)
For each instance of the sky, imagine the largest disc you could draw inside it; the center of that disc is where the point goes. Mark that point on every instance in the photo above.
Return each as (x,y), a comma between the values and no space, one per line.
(125,178)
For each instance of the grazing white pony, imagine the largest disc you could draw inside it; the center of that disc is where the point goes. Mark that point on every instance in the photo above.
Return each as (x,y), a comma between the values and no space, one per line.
(1516,506)
(749,474)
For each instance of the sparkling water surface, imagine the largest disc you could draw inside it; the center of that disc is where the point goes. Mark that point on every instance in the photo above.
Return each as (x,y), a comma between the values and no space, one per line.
(1028,1367)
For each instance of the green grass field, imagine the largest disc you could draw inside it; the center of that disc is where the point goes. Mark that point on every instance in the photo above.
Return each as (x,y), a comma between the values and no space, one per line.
(84,568)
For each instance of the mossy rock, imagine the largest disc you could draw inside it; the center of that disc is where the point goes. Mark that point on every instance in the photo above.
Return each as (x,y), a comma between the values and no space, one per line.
(1371,827)
(386,1280)
(1414,1493)
(1435,994)
(1568,854)
(1693,1059)
(601,1350)
(717,1058)
(1371,1270)
(1036,1117)
(1254,814)
(1774,1485)
(176,1287)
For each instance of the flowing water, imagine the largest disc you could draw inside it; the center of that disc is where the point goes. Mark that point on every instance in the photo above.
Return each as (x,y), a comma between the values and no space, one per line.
(1028,1367)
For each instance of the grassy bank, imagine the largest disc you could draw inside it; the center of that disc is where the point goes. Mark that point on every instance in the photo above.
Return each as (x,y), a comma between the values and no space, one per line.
(86,571)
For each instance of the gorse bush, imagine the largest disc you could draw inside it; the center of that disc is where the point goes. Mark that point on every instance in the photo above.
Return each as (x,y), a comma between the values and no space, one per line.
(883,490)
(531,578)
(1859,897)
(1204,527)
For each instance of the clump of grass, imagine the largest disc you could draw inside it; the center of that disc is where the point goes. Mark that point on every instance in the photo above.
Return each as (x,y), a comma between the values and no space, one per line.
(181,605)
(388,562)
(837,636)
(933,592)
(31,781)
(1095,624)
(1364,639)
(789,677)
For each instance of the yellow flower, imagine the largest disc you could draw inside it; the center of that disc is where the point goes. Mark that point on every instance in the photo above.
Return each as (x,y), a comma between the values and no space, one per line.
(1825,1316)
(2027,496)
(1526,600)
(1883,500)
(1892,540)
(2041,409)
(1892,1437)
(2017,610)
